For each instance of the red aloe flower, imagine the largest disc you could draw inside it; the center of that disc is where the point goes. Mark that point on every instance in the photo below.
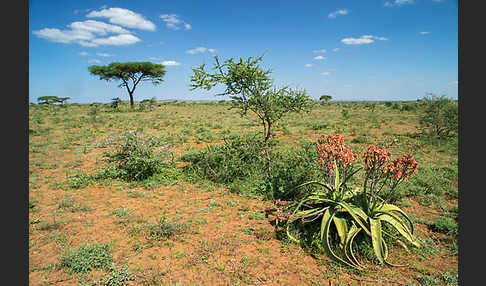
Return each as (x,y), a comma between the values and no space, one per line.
(376,157)
(403,167)
(331,149)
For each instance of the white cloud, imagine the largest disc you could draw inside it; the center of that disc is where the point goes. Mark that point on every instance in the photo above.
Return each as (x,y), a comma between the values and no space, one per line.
(398,3)
(365,39)
(325,73)
(104,55)
(454,82)
(65,36)
(335,49)
(424,33)
(96,27)
(124,17)
(319,51)
(85,33)
(154,59)
(171,63)
(119,40)
(319,58)
(83,53)
(96,61)
(172,21)
(308,65)
(334,14)
(199,50)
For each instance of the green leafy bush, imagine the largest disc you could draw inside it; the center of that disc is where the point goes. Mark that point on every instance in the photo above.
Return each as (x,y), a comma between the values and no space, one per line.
(86,257)
(445,225)
(135,160)
(237,158)
(440,116)
(164,228)
(117,277)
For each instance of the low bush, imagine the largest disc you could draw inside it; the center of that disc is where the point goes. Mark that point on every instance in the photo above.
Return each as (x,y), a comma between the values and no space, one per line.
(164,228)
(445,225)
(239,163)
(135,160)
(238,158)
(87,257)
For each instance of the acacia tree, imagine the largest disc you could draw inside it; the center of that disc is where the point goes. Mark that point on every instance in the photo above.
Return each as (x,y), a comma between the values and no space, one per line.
(325,98)
(130,74)
(440,115)
(251,89)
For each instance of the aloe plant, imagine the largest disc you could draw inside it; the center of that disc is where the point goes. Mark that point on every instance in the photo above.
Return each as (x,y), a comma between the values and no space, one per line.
(352,211)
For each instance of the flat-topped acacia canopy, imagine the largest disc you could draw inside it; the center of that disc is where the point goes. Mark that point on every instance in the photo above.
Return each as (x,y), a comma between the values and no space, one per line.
(130,74)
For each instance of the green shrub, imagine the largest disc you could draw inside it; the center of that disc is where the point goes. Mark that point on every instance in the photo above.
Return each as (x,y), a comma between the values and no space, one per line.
(360,139)
(427,281)
(135,160)
(237,158)
(87,257)
(117,277)
(445,225)
(79,181)
(293,167)
(440,116)
(165,228)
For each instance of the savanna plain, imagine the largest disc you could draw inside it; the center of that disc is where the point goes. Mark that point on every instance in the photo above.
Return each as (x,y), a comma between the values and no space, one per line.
(176,193)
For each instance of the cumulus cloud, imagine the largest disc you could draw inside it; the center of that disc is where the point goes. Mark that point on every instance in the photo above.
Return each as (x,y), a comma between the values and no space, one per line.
(171,63)
(365,39)
(96,27)
(86,34)
(172,21)
(199,50)
(104,55)
(319,51)
(319,58)
(83,53)
(308,65)
(398,3)
(335,49)
(118,40)
(123,17)
(334,14)
(424,33)
(454,82)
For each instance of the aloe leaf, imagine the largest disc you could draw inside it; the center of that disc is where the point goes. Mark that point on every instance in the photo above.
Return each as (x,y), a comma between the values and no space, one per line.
(399,226)
(389,208)
(325,218)
(356,213)
(377,240)
(325,226)
(342,229)
(348,247)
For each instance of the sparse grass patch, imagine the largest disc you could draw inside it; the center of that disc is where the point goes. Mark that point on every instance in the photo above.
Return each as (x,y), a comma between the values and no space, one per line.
(165,228)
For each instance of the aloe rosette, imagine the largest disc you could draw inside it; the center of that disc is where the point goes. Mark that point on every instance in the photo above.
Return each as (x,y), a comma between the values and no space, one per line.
(352,211)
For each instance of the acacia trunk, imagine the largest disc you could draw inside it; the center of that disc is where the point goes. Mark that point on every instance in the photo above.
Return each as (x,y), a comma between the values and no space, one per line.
(267,149)
(132,104)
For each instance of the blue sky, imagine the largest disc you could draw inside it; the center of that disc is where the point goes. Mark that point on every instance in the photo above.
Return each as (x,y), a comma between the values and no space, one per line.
(351,50)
